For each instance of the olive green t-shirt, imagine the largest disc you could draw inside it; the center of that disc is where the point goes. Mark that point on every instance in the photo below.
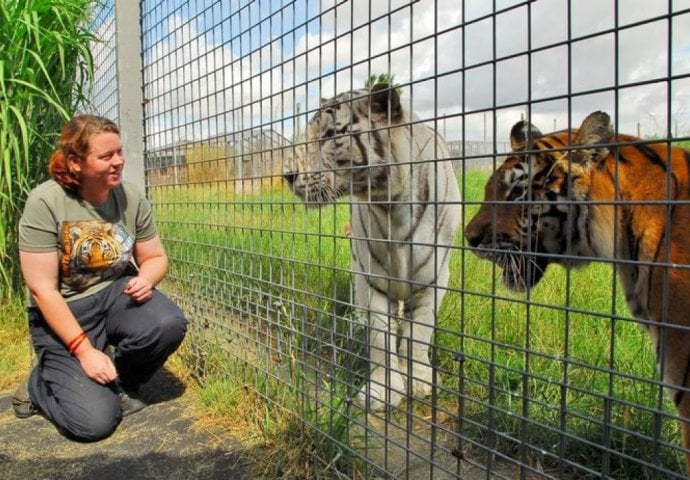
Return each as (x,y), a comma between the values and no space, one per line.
(94,243)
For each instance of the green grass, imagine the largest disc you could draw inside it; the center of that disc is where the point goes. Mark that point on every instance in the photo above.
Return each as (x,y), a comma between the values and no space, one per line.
(14,343)
(266,284)
(273,276)
(528,358)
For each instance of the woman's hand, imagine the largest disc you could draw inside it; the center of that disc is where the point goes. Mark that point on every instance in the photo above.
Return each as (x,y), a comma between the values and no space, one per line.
(41,275)
(153,264)
(139,289)
(97,365)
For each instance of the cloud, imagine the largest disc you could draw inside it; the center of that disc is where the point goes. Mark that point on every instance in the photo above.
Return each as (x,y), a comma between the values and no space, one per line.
(554,60)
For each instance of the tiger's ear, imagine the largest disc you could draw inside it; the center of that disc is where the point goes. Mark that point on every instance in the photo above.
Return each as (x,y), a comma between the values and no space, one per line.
(595,130)
(521,133)
(383,97)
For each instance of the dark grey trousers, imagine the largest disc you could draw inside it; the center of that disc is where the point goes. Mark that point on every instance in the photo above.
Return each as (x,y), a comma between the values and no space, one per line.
(144,335)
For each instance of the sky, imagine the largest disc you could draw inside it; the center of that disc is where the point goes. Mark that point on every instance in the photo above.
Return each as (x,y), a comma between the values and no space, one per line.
(471,69)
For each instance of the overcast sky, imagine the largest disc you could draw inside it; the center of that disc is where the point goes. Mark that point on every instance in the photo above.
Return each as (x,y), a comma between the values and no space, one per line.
(256,64)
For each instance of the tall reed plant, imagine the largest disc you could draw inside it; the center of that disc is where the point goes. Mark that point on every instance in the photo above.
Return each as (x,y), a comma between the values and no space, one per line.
(45,69)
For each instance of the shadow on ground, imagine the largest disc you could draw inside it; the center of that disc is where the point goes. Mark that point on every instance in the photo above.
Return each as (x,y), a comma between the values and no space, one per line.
(157,443)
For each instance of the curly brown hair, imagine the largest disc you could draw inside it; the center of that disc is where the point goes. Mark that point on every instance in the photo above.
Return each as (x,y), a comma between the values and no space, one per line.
(74,144)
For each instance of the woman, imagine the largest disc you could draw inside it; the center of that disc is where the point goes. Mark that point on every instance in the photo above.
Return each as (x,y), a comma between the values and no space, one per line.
(99,289)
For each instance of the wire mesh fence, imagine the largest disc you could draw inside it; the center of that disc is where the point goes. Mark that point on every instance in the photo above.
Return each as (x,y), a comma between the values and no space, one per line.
(302,158)
(104,91)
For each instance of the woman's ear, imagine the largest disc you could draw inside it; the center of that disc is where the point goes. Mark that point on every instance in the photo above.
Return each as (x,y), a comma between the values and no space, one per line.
(73,165)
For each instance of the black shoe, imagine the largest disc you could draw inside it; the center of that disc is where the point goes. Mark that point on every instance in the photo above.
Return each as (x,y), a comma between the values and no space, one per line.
(21,401)
(130,404)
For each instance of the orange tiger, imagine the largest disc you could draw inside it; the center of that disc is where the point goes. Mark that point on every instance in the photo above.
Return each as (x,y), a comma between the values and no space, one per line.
(591,193)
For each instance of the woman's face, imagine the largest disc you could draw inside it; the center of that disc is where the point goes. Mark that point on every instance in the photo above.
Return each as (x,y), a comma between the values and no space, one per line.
(101,170)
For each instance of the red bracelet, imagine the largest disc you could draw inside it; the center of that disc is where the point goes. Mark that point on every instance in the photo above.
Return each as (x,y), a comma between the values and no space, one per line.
(75,342)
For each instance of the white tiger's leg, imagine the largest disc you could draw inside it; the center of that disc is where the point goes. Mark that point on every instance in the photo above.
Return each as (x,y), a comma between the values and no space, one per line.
(416,335)
(385,385)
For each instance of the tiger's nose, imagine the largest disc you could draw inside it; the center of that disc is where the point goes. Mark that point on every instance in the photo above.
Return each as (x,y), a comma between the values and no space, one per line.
(474,233)
(290,176)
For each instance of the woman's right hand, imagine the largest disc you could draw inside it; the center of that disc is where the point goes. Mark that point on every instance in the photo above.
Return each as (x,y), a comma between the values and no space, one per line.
(97,365)
(40,272)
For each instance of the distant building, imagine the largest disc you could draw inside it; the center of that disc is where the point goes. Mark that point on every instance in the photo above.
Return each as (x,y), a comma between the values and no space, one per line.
(248,154)
(470,155)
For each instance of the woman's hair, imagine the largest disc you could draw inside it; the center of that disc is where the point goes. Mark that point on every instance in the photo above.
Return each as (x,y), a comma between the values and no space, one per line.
(74,142)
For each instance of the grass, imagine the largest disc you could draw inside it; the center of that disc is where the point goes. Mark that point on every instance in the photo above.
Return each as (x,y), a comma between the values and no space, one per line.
(544,377)
(14,343)
(550,370)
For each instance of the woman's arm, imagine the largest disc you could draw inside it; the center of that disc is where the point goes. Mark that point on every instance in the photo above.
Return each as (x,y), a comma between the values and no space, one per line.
(153,265)
(40,272)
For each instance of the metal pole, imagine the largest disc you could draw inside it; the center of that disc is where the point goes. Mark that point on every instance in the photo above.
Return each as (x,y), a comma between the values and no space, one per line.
(129,87)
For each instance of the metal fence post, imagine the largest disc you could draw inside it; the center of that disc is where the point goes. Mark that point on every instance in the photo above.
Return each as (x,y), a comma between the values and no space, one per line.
(129,86)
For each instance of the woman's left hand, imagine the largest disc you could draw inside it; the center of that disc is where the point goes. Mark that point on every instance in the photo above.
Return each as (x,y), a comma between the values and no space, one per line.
(139,289)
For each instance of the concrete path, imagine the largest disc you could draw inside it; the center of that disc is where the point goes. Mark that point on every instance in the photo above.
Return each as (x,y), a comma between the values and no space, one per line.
(155,443)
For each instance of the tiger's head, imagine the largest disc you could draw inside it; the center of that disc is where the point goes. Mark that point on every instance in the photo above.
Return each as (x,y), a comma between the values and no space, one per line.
(94,246)
(347,147)
(534,204)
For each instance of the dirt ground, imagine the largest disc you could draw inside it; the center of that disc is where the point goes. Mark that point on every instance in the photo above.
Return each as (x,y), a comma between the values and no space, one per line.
(158,442)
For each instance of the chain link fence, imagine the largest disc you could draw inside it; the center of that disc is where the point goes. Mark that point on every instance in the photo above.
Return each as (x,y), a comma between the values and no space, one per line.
(559,382)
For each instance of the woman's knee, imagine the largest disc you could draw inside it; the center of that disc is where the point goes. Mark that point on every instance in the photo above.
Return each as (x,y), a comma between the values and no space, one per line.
(172,326)
(175,329)
(156,329)
(91,421)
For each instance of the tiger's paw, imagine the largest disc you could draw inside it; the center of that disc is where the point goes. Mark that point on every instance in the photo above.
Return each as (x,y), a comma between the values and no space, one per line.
(376,397)
(422,378)
(421,388)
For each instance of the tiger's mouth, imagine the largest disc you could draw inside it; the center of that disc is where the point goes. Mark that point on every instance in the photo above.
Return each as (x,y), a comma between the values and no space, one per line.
(521,270)
(323,195)
(313,190)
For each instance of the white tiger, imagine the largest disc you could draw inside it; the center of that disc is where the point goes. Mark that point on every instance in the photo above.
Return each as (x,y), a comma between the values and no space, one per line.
(405,212)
